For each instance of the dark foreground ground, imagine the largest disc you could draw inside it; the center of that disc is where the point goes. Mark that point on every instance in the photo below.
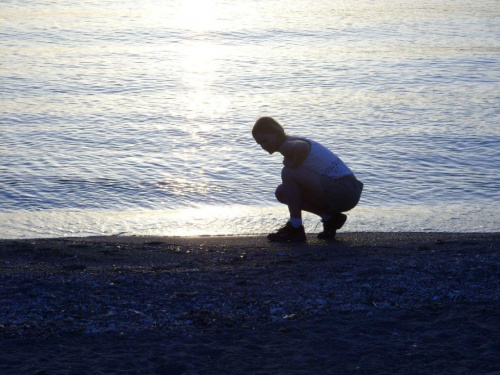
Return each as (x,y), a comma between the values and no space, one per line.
(368,303)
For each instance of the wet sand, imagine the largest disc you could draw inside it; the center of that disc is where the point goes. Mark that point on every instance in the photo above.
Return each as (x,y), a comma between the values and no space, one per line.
(368,303)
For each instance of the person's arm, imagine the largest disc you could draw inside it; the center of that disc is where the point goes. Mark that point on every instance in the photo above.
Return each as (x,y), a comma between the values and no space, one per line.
(294,151)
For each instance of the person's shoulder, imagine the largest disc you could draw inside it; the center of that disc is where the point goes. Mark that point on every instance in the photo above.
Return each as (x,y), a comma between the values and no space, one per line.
(293,138)
(291,142)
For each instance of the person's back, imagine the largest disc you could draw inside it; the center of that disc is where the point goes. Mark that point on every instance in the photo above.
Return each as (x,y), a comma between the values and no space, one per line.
(324,162)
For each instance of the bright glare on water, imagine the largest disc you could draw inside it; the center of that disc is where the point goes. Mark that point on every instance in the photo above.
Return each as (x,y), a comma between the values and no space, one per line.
(135,117)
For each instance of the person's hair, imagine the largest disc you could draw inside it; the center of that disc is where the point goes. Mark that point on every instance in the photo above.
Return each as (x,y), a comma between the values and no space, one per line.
(268,125)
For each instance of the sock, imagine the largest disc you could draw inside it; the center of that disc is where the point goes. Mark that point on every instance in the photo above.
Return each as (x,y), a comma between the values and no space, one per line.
(296,222)
(326,217)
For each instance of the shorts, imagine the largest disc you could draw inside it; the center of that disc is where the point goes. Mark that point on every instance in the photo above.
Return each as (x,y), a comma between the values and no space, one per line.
(343,193)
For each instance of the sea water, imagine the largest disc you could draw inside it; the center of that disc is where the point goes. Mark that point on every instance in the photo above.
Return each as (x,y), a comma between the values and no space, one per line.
(135,116)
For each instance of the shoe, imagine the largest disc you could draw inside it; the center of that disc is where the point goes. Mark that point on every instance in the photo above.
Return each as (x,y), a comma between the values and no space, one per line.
(330,227)
(288,234)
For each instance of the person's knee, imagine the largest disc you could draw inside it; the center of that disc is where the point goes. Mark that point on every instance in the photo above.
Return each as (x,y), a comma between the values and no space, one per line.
(286,174)
(280,194)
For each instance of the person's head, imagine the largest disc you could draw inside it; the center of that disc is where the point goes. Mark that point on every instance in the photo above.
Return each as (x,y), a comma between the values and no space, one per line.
(269,134)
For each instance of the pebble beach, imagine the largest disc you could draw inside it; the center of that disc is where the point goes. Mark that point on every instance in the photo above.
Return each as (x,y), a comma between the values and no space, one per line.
(384,303)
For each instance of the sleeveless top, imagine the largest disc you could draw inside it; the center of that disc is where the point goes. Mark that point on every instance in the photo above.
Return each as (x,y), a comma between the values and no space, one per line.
(324,162)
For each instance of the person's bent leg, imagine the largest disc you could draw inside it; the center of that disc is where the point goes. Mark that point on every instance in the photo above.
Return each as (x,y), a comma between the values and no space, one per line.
(291,194)
(294,193)
(344,195)
(292,231)
(301,190)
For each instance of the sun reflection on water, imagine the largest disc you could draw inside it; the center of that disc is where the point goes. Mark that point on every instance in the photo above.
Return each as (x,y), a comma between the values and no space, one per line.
(202,64)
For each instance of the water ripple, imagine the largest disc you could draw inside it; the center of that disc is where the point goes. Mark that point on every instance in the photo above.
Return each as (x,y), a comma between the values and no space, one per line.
(110,107)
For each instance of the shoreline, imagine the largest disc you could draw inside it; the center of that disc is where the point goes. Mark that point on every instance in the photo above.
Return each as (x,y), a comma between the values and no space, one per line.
(342,236)
(375,298)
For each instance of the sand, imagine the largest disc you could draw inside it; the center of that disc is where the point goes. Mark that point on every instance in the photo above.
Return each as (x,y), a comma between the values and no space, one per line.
(368,303)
